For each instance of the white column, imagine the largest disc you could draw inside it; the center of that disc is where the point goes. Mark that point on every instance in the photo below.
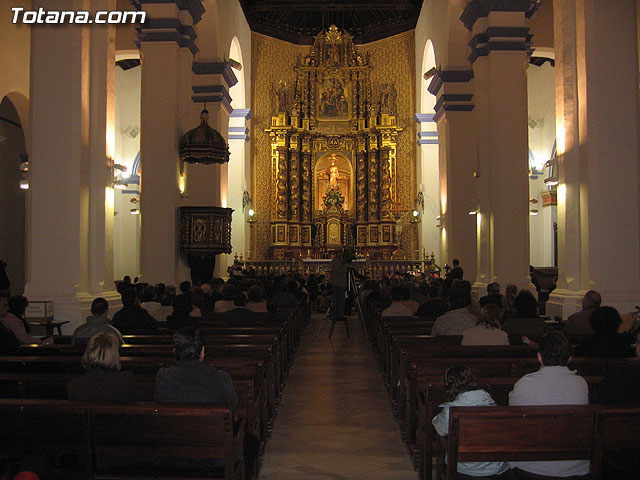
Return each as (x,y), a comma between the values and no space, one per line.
(596,118)
(457,161)
(499,56)
(70,225)
(429,181)
(167,44)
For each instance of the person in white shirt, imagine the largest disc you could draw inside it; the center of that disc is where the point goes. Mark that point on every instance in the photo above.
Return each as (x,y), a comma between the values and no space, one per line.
(397,308)
(456,320)
(553,384)
(487,330)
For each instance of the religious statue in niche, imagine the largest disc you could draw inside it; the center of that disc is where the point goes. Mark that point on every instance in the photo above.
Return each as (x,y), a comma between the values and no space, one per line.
(333,55)
(333,174)
(281,95)
(387,98)
(333,102)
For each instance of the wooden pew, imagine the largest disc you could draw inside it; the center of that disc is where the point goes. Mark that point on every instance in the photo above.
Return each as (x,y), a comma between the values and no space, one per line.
(97,433)
(434,394)
(617,429)
(535,433)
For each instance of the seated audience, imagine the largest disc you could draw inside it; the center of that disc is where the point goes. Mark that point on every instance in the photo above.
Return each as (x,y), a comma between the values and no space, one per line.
(406,299)
(510,292)
(462,391)
(526,321)
(103,380)
(149,299)
(287,295)
(17,326)
(165,309)
(493,295)
(459,318)
(181,316)
(190,379)
(8,341)
(185,289)
(228,293)
(199,301)
(240,313)
(578,323)
(605,341)
(256,301)
(98,321)
(435,305)
(553,384)
(487,330)
(397,308)
(132,317)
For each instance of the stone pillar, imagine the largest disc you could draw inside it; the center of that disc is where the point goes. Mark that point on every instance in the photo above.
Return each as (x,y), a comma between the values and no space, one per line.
(239,175)
(457,162)
(597,131)
(167,42)
(208,184)
(428,174)
(499,54)
(70,246)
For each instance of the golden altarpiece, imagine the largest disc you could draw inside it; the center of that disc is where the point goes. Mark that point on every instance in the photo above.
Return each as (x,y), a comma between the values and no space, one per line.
(333,156)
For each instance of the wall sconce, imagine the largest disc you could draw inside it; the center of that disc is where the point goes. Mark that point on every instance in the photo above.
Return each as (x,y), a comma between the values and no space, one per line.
(24,184)
(533,211)
(119,184)
(552,162)
(122,168)
(134,200)
(251,219)
(415,217)
(473,212)
(551,181)
(134,211)
(419,201)
(246,200)
(24,167)
(533,201)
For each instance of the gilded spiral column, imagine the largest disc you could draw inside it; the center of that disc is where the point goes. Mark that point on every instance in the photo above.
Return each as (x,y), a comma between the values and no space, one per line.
(306,182)
(282,186)
(294,185)
(374,184)
(385,183)
(361,186)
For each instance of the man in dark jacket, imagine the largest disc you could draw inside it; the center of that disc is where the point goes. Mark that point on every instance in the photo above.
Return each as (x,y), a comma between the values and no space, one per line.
(132,317)
(190,380)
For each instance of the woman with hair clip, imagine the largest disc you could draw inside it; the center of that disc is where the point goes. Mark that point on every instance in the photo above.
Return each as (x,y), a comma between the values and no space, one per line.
(462,391)
(104,382)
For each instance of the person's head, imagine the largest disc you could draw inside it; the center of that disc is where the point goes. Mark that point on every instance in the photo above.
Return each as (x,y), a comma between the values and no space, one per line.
(18,304)
(99,307)
(129,297)
(185,287)
(207,289)
(228,293)
(525,303)
(493,288)
(455,262)
(149,294)
(433,290)
(171,290)
(126,280)
(182,304)
(605,320)
(160,289)
(102,353)
(396,294)
(166,300)
(554,350)
(511,289)
(490,316)
(459,379)
(591,299)
(188,344)
(255,294)
(239,300)
(4,306)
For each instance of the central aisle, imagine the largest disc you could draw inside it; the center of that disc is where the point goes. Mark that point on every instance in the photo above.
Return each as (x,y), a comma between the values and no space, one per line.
(335,420)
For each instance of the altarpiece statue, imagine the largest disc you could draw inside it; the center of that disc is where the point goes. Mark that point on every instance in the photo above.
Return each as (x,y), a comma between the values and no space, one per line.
(333,156)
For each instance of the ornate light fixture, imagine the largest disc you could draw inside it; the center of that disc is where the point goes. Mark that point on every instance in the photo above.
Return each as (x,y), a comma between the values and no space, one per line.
(203,144)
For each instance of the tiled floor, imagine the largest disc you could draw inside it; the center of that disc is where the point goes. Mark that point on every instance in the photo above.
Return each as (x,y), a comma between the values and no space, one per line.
(335,420)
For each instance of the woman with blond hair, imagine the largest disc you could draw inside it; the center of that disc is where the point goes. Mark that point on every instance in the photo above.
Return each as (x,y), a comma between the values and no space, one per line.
(487,330)
(103,380)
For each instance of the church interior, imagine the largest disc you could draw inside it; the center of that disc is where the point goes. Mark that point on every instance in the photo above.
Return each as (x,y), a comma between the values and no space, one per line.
(222,138)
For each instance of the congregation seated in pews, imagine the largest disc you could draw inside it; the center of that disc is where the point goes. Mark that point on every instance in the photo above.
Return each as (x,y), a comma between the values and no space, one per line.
(242,362)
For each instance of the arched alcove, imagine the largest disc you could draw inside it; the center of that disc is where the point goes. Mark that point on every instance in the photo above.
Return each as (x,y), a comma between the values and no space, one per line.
(427,168)
(13,201)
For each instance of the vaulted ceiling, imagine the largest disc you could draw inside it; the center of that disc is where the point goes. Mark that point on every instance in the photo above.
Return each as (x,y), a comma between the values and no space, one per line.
(297,21)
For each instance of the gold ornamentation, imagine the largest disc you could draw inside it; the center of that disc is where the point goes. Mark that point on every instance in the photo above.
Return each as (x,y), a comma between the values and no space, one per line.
(333,34)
